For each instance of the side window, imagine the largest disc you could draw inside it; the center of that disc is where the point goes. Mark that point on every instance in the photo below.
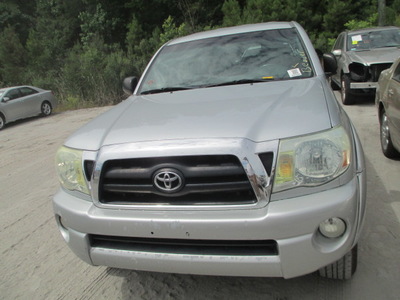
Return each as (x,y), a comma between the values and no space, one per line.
(25,91)
(396,74)
(13,94)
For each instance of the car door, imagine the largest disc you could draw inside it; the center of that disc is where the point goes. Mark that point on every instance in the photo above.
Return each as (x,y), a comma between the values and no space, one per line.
(12,105)
(393,104)
(31,101)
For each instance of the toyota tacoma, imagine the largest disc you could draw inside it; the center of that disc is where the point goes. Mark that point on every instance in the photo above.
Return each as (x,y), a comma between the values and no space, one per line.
(231,157)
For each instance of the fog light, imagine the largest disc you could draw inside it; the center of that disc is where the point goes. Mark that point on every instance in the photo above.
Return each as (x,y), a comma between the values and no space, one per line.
(332,227)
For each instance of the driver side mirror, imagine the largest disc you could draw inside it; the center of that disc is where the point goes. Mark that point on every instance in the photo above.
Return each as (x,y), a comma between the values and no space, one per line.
(5,99)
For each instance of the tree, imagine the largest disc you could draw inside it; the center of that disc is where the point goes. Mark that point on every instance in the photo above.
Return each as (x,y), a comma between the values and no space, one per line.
(12,58)
(381,12)
(54,33)
(18,14)
(232,13)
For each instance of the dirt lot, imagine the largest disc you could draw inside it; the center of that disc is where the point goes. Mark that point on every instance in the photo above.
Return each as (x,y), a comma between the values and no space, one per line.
(37,264)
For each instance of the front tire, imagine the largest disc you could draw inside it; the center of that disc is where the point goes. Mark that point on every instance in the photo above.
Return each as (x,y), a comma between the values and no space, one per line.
(386,141)
(343,268)
(347,97)
(2,121)
(46,109)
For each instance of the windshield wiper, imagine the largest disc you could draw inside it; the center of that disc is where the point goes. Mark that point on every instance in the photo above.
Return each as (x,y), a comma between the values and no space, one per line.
(165,90)
(240,81)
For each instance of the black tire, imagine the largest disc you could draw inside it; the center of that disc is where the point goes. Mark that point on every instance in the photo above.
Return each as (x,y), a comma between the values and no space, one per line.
(46,109)
(347,97)
(386,141)
(343,268)
(2,122)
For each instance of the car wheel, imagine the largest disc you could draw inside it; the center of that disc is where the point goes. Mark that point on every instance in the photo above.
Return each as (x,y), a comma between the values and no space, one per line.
(2,121)
(386,141)
(46,109)
(347,97)
(343,268)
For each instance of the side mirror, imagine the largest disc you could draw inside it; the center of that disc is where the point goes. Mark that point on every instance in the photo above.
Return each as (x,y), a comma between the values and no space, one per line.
(329,63)
(5,99)
(337,52)
(129,85)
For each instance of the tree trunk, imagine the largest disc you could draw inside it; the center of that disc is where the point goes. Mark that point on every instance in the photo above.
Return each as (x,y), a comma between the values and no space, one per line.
(381,12)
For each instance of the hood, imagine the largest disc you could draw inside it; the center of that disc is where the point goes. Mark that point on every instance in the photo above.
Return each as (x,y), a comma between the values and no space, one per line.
(258,112)
(374,56)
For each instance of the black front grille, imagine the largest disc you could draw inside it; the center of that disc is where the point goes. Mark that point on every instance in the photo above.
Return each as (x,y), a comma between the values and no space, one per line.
(210,179)
(376,70)
(186,246)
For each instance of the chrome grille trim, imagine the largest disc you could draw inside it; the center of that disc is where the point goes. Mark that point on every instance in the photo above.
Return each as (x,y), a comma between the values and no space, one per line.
(246,152)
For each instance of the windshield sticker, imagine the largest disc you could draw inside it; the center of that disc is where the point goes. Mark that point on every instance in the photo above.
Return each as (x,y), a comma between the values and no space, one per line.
(294,72)
(355,39)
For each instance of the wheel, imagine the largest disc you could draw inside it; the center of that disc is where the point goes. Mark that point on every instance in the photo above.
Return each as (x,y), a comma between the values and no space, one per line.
(2,121)
(343,268)
(46,109)
(347,97)
(386,142)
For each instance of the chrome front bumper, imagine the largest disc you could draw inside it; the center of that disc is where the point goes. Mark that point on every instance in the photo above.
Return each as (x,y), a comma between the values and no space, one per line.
(363,85)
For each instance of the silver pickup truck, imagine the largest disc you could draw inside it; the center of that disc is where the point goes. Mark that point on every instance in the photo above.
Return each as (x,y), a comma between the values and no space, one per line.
(230,157)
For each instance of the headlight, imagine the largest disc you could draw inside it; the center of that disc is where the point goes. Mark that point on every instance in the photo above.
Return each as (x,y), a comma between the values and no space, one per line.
(312,160)
(70,170)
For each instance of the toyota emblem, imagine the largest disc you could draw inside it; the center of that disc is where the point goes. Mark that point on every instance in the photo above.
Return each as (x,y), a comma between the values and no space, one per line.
(168,180)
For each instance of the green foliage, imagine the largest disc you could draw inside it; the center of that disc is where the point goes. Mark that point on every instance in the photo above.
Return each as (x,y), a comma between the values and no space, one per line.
(17,13)
(95,24)
(93,74)
(171,31)
(371,21)
(12,57)
(232,13)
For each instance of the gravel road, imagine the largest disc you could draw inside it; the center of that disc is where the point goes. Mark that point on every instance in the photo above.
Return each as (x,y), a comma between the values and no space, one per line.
(37,264)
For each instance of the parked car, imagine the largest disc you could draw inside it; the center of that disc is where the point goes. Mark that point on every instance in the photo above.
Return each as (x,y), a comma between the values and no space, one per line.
(388,103)
(362,55)
(230,157)
(21,102)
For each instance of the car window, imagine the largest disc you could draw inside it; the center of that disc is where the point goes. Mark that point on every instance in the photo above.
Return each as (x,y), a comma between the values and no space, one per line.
(396,74)
(374,39)
(26,91)
(262,55)
(13,94)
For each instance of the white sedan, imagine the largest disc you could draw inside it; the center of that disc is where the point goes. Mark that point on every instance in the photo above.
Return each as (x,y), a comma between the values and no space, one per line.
(23,102)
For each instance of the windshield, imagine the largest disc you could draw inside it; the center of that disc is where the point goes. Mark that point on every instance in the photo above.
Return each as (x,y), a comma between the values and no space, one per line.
(233,59)
(374,39)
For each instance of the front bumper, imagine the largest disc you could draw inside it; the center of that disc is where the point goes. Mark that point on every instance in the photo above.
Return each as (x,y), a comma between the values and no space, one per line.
(363,85)
(292,223)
